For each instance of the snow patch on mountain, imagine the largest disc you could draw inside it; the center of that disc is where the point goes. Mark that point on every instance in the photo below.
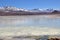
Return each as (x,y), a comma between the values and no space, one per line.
(9,8)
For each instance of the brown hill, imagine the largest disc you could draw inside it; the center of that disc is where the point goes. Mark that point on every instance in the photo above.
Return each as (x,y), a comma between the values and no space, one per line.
(16,13)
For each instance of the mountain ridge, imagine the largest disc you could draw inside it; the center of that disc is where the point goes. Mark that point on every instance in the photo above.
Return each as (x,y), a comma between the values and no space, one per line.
(8,10)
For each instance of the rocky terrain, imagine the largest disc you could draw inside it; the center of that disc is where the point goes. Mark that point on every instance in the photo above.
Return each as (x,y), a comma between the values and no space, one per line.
(40,37)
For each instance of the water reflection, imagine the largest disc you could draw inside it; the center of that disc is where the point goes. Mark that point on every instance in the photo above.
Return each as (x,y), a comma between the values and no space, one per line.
(29,25)
(29,21)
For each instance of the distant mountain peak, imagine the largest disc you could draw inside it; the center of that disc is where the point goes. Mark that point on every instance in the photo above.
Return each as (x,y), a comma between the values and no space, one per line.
(11,8)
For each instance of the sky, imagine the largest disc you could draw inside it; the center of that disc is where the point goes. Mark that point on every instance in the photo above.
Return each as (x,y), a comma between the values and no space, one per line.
(30,4)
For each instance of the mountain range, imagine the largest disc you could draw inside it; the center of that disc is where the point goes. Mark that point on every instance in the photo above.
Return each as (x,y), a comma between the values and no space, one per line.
(9,10)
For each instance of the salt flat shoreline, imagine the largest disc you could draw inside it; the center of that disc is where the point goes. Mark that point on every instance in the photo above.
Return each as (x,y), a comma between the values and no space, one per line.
(31,16)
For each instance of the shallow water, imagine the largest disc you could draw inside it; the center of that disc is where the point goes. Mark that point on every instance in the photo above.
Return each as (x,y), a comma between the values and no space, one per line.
(44,21)
(29,25)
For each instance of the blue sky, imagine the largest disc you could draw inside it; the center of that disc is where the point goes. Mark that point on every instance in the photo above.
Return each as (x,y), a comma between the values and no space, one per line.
(29,4)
